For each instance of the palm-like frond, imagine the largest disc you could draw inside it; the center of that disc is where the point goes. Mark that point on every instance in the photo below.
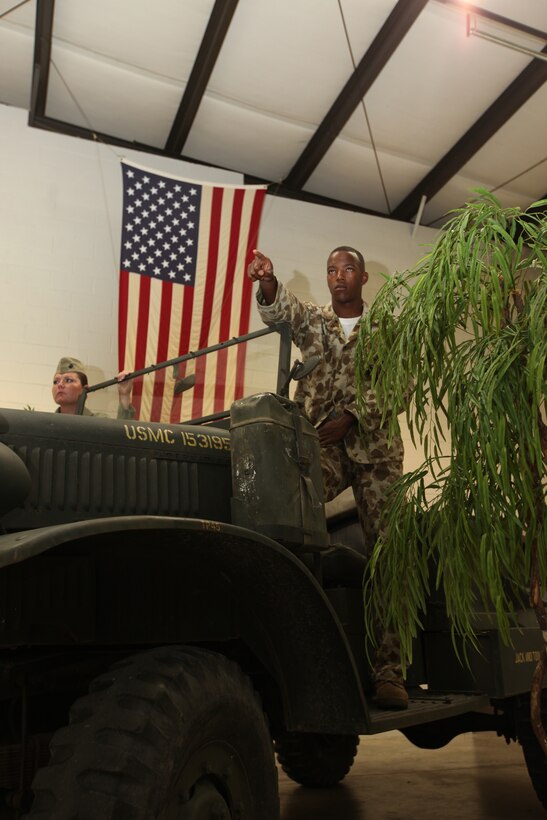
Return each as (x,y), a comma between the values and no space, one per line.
(466,329)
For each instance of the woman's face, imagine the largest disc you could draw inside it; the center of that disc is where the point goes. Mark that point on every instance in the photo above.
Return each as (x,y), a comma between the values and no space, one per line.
(66,389)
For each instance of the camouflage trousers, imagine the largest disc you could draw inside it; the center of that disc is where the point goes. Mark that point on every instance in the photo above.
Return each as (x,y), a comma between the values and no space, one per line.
(370,483)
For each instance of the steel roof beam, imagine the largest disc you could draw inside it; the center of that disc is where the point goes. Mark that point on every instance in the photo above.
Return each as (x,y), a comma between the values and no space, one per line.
(515,95)
(42,53)
(377,55)
(211,44)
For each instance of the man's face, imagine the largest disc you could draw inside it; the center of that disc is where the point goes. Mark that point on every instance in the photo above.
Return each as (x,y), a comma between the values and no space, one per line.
(66,389)
(345,277)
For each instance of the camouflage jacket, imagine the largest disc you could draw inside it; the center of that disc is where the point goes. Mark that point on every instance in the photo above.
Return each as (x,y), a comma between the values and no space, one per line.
(330,388)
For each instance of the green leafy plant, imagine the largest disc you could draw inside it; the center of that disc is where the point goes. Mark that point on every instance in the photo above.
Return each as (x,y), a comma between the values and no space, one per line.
(466,328)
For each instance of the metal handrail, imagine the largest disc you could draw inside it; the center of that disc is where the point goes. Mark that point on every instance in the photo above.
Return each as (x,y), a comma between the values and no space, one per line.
(283,368)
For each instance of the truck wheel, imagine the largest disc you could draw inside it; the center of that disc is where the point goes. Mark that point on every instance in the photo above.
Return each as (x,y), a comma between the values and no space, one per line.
(316,761)
(536,759)
(176,732)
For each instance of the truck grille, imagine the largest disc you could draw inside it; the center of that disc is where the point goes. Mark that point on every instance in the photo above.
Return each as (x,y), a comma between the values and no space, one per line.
(109,483)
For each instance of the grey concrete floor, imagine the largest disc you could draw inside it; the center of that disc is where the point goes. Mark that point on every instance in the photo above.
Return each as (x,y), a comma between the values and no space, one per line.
(475,777)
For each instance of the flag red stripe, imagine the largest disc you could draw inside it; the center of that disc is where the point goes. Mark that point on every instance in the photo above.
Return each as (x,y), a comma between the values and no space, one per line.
(199,388)
(246,294)
(142,332)
(122,316)
(208,297)
(226,312)
(186,324)
(240,370)
(220,381)
(184,345)
(247,286)
(162,349)
(212,265)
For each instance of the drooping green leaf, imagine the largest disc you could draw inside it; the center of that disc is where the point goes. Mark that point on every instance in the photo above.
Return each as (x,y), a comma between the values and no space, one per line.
(467,329)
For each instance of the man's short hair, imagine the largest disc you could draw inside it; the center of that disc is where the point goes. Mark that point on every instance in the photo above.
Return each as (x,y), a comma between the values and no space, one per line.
(348,249)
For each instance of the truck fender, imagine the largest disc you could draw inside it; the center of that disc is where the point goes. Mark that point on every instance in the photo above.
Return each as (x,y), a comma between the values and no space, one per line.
(14,479)
(283,614)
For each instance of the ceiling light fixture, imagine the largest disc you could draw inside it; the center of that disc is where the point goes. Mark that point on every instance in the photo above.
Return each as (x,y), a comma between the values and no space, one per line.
(472,30)
(519,29)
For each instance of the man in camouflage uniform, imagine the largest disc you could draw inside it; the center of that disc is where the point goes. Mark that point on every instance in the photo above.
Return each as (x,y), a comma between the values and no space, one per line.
(327,397)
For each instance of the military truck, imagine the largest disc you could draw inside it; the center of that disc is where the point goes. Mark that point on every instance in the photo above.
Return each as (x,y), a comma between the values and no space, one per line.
(175,612)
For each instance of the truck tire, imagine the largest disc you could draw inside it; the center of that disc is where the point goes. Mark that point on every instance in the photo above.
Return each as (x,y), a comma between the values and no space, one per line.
(534,756)
(176,731)
(314,760)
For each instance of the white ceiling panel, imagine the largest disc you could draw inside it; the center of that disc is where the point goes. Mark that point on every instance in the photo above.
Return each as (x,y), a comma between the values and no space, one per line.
(270,144)
(20,14)
(158,38)
(362,21)
(291,58)
(497,163)
(460,190)
(16,48)
(350,169)
(110,97)
(260,70)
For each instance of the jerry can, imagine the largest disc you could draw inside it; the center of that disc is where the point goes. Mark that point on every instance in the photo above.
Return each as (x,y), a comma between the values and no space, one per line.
(274,450)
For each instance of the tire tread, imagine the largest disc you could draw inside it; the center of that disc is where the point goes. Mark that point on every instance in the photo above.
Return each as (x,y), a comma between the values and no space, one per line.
(316,761)
(121,734)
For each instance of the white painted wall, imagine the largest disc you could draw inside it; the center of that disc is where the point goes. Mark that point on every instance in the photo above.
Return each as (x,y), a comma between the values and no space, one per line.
(60,222)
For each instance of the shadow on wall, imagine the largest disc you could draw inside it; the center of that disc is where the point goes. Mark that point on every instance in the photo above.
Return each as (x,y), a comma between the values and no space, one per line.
(299,284)
(377,273)
(102,401)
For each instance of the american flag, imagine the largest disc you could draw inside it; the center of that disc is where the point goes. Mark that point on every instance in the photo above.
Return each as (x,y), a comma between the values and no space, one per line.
(183,287)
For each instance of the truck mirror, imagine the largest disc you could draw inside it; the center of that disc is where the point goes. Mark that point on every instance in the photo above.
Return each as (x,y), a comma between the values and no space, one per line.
(181,385)
(302,369)
(298,371)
